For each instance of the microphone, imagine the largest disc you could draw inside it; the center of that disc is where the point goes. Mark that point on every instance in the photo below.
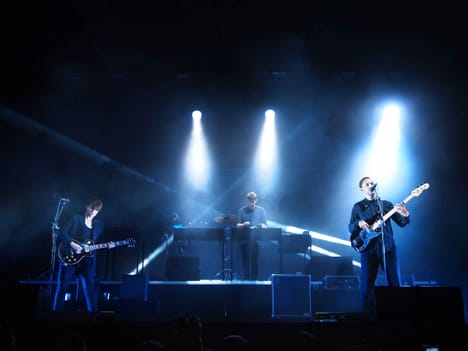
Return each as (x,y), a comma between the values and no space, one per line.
(65,200)
(372,188)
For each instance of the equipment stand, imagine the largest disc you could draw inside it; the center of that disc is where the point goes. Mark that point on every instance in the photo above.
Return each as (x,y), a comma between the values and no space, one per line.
(227,254)
(382,225)
(55,228)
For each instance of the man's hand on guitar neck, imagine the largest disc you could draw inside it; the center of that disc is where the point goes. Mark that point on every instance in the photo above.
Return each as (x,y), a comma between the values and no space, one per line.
(77,248)
(401,209)
(111,245)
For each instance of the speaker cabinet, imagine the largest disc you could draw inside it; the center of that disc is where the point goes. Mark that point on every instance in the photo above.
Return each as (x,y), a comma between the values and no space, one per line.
(427,305)
(291,295)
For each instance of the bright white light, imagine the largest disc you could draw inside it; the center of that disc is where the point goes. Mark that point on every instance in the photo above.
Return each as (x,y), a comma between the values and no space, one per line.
(266,156)
(269,115)
(314,235)
(197,167)
(382,159)
(384,154)
(156,252)
(391,111)
(196,115)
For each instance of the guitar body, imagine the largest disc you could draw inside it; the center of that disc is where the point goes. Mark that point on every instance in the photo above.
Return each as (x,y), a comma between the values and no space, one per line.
(360,240)
(69,257)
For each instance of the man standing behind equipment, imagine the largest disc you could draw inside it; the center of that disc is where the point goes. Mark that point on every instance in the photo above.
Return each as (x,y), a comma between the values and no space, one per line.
(251,217)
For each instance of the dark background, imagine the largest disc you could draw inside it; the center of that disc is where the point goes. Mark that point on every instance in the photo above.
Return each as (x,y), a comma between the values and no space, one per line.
(96,100)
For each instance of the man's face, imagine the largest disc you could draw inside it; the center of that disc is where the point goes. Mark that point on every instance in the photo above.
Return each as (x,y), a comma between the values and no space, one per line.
(366,185)
(91,211)
(251,202)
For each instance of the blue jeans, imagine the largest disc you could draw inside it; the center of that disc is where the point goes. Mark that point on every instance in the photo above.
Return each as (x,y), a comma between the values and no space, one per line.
(85,271)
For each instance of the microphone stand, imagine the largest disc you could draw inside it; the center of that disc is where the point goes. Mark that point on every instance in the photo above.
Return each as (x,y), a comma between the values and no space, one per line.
(55,228)
(382,225)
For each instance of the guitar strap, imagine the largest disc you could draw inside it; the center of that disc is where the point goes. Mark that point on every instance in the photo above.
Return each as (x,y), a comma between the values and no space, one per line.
(363,206)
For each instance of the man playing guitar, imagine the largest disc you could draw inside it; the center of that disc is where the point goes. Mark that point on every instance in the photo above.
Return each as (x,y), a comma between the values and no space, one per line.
(80,228)
(375,253)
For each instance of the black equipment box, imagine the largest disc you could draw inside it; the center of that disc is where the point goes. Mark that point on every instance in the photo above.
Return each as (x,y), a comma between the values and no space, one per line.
(290,295)
(341,282)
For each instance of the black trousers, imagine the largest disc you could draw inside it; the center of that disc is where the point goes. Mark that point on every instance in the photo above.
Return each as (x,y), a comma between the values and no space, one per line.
(250,251)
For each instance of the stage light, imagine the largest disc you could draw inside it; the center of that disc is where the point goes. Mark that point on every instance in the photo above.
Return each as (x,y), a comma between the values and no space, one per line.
(196,115)
(269,115)
(197,163)
(391,111)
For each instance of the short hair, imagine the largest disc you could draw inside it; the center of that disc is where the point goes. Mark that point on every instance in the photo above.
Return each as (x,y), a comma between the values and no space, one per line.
(251,195)
(362,181)
(95,204)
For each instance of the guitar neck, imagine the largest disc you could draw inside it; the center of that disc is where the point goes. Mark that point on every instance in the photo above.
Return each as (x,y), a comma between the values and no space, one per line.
(106,245)
(394,209)
(414,193)
(98,246)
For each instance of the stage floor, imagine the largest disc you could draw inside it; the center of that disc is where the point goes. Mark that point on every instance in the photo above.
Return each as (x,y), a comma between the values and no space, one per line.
(133,310)
(288,296)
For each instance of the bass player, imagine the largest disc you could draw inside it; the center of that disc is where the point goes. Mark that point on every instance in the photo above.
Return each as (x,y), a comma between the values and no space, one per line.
(364,215)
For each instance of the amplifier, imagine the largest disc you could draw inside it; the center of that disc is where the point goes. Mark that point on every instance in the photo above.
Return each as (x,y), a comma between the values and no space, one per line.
(290,295)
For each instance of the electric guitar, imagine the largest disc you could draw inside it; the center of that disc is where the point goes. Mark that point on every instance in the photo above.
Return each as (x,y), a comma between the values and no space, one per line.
(361,239)
(69,257)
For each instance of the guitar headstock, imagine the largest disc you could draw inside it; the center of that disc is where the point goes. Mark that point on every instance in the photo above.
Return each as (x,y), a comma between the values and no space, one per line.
(131,242)
(420,189)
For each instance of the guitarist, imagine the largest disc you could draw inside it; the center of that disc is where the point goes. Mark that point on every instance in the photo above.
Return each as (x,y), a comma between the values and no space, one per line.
(80,228)
(363,215)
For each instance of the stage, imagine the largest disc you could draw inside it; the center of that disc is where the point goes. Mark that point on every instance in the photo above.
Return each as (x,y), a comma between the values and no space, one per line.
(267,313)
(284,295)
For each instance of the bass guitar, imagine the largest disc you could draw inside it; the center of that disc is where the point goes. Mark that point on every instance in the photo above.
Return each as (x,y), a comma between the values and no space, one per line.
(360,240)
(69,257)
